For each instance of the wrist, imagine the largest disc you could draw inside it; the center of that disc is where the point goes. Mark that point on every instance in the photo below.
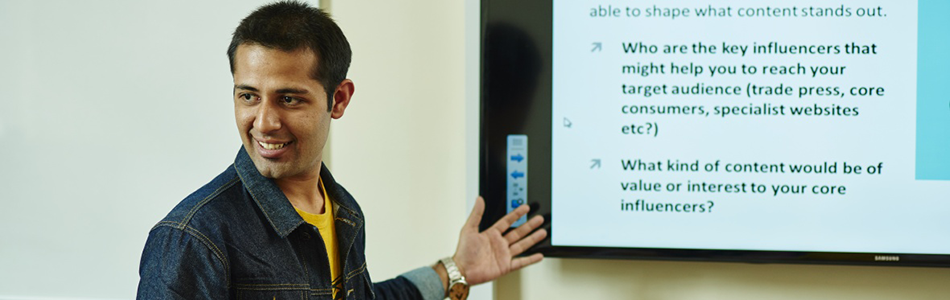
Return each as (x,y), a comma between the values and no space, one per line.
(456,285)
(458,267)
(443,276)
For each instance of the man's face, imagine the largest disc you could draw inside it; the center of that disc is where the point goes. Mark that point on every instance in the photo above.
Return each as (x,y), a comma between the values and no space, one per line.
(281,112)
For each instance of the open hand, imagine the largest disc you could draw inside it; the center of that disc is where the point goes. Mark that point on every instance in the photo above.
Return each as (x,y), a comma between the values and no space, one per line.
(487,255)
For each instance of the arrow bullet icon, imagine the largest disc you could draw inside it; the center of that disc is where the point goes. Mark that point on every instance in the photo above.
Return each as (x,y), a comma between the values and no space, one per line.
(517,158)
(597,46)
(595,163)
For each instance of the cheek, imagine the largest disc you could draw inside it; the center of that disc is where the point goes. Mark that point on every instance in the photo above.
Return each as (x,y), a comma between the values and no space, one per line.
(243,118)
(313,126)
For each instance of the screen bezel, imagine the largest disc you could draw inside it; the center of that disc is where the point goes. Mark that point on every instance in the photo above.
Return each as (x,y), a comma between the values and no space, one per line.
(515,85)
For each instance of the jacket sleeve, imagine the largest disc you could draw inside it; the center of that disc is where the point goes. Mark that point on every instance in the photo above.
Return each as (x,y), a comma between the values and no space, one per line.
(181,263)
(422,283)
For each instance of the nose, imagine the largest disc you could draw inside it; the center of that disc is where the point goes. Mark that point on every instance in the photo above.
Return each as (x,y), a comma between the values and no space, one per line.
(268,117)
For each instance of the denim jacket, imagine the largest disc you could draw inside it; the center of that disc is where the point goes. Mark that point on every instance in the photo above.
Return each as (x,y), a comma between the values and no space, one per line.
(238,237)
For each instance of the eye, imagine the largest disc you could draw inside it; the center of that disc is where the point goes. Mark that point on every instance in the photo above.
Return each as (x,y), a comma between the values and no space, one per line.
(246,97)
(288,100)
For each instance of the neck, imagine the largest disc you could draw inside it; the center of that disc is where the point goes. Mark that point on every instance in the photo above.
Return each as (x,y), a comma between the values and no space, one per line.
(303,192)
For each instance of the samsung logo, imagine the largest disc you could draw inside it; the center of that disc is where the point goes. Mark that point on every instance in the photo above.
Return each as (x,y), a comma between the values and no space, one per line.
(887,258)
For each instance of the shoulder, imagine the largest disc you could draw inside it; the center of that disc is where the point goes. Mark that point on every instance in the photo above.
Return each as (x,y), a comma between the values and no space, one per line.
(204,220)
(215,200)
(185,251)
(195,232)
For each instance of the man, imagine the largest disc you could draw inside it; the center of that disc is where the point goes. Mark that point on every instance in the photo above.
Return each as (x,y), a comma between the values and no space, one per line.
(275,224)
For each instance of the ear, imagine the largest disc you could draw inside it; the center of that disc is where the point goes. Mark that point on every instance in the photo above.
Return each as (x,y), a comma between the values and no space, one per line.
(341,98)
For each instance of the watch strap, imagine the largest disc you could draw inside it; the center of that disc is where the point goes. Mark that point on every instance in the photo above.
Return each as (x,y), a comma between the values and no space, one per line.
(454,274)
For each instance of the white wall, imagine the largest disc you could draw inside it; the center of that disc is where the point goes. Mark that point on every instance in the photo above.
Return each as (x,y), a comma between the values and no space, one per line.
(399,148)
(662,280)
(116,110)
(407,146)
(112,112)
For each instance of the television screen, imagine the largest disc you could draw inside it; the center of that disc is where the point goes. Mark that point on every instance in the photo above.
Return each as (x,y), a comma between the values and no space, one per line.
(756,131)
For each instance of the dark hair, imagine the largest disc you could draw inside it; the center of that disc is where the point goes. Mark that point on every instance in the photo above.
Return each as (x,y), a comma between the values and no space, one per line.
(292,25)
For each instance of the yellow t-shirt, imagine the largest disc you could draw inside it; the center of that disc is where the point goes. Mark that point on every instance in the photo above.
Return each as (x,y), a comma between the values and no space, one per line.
(324,223)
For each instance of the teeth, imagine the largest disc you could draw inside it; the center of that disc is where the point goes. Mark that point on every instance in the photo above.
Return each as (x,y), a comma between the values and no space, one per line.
(271,146)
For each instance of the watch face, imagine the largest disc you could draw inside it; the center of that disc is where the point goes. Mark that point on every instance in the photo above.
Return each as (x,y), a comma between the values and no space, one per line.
(458,291)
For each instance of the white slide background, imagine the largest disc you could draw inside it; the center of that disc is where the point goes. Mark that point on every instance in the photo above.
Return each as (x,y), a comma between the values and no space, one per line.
(885,212)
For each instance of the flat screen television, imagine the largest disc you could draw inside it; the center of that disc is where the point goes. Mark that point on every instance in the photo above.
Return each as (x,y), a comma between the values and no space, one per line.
(748,131)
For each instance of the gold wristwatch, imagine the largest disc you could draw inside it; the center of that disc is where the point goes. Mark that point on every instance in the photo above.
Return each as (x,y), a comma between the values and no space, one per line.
(458,287)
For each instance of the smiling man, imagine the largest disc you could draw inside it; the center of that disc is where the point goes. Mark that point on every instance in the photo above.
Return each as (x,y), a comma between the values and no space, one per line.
(274,224)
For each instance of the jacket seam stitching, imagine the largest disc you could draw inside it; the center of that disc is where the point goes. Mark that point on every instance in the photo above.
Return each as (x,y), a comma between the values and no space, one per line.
(271,288)
(300,285)
(356,272)
(218,191)
(204,240)
(347,221)
(353,212)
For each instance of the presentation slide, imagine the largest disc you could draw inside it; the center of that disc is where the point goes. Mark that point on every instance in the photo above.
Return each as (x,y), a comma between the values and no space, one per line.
(750,125)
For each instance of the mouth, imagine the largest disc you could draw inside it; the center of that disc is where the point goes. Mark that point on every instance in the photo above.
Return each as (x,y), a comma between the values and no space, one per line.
(272,150)
(269,146)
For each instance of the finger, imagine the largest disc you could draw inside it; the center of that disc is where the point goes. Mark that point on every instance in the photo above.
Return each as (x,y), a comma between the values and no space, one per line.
(527,242)
(510,218)
(522,262)
(524,229)
(476,216)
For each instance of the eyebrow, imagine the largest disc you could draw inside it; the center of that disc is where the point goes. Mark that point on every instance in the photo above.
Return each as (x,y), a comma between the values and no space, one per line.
(291,91)
(279,91)
(245,87)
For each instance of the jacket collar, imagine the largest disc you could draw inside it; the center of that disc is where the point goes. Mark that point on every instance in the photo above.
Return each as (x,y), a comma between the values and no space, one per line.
(347,216)
(277,209)
(271,200)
